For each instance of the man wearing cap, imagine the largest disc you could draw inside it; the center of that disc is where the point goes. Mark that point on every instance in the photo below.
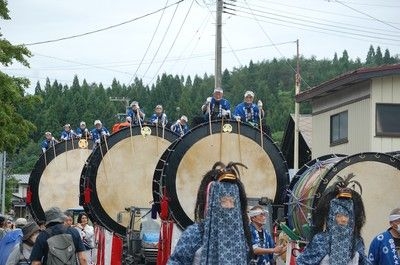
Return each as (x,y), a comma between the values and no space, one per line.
(180,127)
(159,117)
(82,131)
(21,252)
(136,113)
(216,107)
(263,245)
(50,141)
(247,111)
(385,247)
(68,133)
(99,132)
(54,226)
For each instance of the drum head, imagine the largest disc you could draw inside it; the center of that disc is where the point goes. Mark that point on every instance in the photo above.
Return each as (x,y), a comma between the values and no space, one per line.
(54,180)
(119,174)
(195,154)
(379,176)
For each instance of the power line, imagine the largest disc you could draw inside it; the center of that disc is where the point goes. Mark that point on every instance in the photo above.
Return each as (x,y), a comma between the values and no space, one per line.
(365,14)
(162,41)
(102,29)
(318,24)
(148,46)
(172,45)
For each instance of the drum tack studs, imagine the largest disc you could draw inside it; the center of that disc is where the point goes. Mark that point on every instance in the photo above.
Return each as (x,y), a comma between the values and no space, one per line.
(83,143)
(145,131)
(227,128)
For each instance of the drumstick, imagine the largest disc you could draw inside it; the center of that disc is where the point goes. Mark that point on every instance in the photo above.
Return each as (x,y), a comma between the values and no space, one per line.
(66,153)
(130,130)
(109,155)
(102,158)
(157,137)
(259,103)
(240,146)
(220,138)
(54,149)
(209,116)
(45,159)
(163,124)
(140,123)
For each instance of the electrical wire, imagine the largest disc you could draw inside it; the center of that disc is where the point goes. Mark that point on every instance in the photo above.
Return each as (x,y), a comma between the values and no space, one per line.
(196,36)
(307,18)
(162,41)
(365,14)
(102,29)
(319,25)
(276,47)
(148,46)
(173,43)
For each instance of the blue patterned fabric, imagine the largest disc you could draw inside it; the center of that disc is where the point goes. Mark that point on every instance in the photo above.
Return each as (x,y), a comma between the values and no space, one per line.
(266,243)
(382,250)
(189,242)
(341,237)
(336,241)
(220,235)
(216,107)
(248,112)
(224,240)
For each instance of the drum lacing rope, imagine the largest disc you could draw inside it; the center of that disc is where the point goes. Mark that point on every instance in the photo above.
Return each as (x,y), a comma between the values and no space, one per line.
(298,203)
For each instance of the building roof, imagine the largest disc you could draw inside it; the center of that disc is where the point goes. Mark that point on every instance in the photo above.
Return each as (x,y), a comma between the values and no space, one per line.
(305,140)
(305,128)
(344,80)
(22,178)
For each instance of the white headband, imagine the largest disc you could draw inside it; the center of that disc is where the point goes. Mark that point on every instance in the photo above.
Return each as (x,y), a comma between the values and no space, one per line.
(394,217)
(253,213)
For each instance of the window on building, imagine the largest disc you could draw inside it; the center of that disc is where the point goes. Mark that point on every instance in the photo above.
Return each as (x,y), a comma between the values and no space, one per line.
(387,120)
(339,128)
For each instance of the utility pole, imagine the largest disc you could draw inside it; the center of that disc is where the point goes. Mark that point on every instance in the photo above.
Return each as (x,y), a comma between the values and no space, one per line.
(218,44)
(296,114)
(125,102)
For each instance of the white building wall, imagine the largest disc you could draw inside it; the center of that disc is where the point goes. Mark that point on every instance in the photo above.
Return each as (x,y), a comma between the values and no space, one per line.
(359,129)
(384,90)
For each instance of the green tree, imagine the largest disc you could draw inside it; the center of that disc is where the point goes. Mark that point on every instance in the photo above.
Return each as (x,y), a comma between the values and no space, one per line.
(378,59)
(370,56)
(14,128)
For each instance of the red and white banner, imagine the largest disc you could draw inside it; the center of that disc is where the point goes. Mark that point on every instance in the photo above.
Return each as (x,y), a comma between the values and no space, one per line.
(109,247)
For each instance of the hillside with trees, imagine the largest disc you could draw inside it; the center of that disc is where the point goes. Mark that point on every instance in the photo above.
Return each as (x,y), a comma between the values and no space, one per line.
(271,80)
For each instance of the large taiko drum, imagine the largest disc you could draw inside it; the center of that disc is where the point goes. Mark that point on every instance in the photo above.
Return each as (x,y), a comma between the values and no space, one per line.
(187,161)
(54,180)
(119,174)
(302,192)
(379,176)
